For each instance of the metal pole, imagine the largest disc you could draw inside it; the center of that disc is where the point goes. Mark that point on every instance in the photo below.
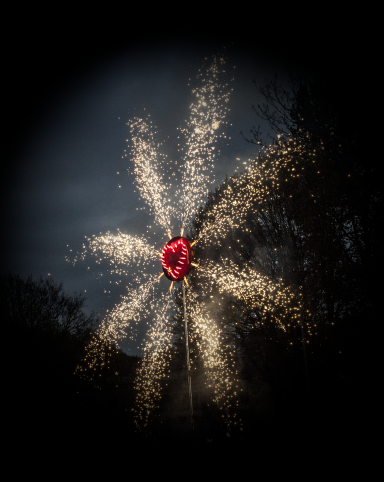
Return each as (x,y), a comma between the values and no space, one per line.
(304,341)
(187,350)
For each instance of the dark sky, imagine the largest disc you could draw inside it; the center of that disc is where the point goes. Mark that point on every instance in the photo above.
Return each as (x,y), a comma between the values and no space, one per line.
(67,109)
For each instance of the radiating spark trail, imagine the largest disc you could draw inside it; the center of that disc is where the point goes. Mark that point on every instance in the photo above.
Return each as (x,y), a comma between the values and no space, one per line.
(252,188)
(114,326)
(208,112)
(272,299)
(155,362)
(148,176)
(221,379)
(129,311)
(122,250)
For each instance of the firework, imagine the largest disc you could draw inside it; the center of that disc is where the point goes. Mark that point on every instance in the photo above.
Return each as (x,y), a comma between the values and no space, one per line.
(202,130)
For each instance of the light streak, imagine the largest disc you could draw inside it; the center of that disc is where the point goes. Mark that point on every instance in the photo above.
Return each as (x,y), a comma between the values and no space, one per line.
(219,363)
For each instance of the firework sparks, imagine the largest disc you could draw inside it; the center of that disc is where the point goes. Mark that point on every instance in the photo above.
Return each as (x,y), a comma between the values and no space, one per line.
(155,362)
(122,250)
(256,290)
(147,169)
(207,115)
(221,379)
(252,188)
(115,325)
(208,111)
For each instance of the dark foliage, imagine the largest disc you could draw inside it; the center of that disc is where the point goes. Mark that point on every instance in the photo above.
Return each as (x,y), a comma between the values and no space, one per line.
(45,332)
(318,234)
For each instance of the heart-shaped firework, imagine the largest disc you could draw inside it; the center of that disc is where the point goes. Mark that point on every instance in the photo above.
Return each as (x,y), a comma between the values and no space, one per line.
(176,258)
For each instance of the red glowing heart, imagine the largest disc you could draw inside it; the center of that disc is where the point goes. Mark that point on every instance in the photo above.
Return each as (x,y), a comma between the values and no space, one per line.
(176,258)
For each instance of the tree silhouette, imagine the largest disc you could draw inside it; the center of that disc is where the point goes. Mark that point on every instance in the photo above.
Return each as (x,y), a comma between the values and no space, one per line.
(42,305)
(317,232)
(44,334)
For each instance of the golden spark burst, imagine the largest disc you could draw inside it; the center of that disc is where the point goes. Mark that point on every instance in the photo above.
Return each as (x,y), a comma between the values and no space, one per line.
(207,115)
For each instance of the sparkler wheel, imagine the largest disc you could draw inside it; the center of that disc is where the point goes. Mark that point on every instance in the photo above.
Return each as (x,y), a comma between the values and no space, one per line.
(176,258)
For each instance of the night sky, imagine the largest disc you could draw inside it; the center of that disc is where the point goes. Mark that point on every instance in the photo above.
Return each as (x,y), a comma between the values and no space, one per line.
(66,139)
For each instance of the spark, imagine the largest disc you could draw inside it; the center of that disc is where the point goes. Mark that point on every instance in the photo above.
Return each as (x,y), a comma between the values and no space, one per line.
(218,362)
(207,113)
(155,362)
(256,290)
(253,187)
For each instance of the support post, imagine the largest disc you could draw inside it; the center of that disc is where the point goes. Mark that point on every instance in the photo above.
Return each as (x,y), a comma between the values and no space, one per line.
(187,350)
(304,341)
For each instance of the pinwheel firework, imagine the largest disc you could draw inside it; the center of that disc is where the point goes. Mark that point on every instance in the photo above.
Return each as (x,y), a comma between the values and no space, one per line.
(176,206)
